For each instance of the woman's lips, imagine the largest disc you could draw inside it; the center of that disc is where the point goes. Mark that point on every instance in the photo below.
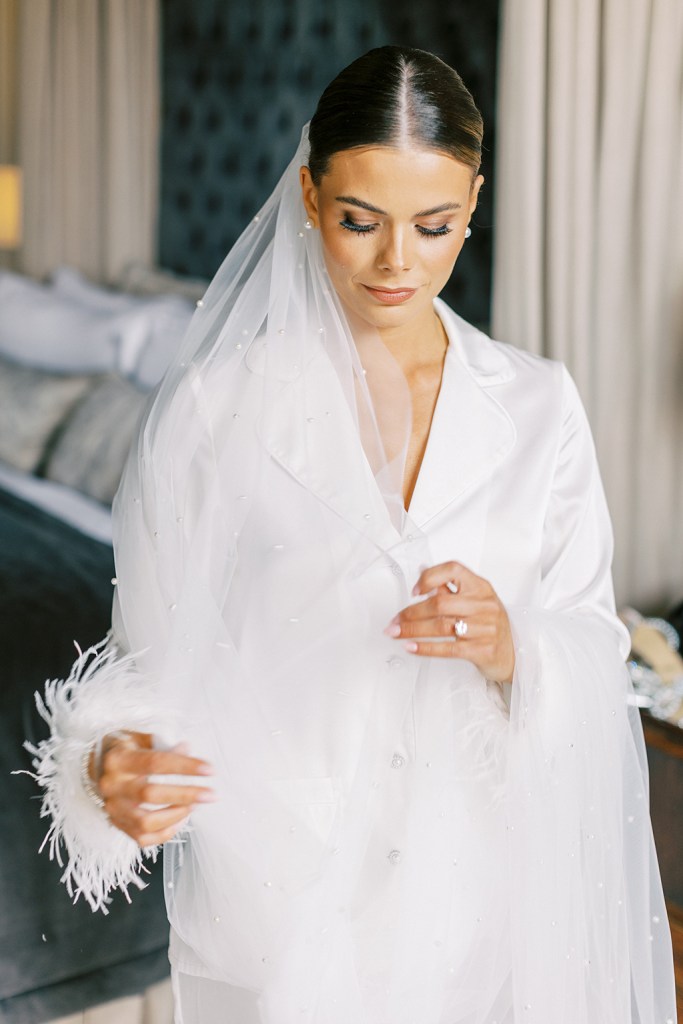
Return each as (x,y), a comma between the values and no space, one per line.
(390,296)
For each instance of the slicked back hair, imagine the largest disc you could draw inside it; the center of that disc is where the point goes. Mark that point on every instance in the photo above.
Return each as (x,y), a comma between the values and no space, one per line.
(396,96)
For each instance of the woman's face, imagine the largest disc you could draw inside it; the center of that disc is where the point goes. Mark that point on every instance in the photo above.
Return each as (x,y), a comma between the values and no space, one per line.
(392,223)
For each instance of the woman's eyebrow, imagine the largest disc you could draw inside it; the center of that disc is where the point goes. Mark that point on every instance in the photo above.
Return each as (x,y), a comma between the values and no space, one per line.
(352,201)
(444,208)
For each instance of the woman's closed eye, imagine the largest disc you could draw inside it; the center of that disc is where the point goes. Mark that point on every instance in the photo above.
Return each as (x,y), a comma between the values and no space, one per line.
(443,229)
(361,229)
(367,229)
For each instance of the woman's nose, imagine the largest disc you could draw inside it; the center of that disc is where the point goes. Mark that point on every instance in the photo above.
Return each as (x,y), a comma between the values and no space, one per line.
(395,253)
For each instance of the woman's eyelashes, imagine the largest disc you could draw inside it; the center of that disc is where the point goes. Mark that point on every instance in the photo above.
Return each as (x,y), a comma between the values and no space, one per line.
(443,229)
(360,229)
(367,229)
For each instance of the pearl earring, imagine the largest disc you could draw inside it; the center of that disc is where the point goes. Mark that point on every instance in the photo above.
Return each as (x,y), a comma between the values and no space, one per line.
(468,232)
(308,224)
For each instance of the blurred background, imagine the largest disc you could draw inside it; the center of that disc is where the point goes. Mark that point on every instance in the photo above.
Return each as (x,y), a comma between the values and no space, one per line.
(137,137)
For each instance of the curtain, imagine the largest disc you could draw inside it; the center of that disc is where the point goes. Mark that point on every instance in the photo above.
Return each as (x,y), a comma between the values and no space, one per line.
(588,263)
(8,154)
(8,20)
(88,125)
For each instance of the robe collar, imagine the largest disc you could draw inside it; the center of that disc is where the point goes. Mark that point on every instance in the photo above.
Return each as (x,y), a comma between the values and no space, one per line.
(471,434)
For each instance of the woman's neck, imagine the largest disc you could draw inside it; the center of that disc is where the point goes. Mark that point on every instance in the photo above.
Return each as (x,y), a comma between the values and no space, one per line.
(420,342)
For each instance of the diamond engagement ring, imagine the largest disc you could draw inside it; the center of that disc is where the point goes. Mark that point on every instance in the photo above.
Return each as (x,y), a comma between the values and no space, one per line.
(460,627)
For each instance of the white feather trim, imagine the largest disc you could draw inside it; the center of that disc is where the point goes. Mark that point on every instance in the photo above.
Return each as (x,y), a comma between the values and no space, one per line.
(104,693)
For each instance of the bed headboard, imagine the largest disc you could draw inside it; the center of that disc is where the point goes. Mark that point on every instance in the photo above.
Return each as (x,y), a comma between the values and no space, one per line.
(240,79)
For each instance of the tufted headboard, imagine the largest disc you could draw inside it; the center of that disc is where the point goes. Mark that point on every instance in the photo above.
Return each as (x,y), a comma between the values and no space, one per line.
(240,79)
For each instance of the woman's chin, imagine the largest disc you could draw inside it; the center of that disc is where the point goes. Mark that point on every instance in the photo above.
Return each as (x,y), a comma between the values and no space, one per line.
(390,315)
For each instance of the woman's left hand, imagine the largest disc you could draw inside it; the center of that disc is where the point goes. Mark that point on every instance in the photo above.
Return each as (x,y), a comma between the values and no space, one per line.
(473,617)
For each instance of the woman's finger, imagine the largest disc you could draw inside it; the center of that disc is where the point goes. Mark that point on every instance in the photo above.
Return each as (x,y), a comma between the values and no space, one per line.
(444,625)
(143,824)
(492,655)
(468,650)
(142,790)
(441,604)
(150,821)
(133,761)
(447,572)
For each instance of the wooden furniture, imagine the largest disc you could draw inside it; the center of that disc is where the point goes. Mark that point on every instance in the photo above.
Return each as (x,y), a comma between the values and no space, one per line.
(665,758)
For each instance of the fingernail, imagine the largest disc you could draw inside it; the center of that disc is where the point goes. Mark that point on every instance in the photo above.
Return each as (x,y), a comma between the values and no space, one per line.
(205,769)
(207,797)
(416,590)
(410,646)
(393,630)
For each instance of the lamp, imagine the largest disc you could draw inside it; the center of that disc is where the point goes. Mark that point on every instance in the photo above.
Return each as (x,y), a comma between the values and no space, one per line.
(10,206)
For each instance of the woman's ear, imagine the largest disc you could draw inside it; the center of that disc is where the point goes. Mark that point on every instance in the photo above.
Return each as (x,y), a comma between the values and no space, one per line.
(309,194)
(474,192)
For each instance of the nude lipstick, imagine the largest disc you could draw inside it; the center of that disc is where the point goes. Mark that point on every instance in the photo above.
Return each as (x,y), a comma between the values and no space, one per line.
(391,296)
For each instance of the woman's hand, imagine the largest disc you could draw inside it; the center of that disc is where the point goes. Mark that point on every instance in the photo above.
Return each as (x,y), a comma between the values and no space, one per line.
(484,636)
(124,785)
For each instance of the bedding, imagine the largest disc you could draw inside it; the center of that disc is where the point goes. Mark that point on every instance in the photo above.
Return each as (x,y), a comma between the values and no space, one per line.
(141,279)
(32,405)
(55,958)
(41,329)
(71,325)
(75,430)
(90,451)
(79,511)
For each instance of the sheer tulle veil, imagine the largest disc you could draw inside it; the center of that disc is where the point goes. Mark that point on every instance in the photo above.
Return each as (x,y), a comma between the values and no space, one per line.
(261,548)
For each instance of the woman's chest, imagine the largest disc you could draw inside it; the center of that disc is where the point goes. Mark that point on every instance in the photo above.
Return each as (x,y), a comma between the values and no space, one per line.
(424,392)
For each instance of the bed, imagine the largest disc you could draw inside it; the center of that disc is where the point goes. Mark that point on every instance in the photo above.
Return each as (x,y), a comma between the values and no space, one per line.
(77,363)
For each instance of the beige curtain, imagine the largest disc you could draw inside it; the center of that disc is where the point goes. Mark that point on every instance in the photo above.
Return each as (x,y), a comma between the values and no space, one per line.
(8,38)
(8,100)
(87,127)
(588,264)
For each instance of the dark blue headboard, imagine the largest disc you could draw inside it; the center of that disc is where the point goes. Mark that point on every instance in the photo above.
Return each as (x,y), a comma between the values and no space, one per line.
(241,78)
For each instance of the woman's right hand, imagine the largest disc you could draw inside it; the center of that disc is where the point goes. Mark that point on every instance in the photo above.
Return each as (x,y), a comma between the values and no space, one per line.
(123,783)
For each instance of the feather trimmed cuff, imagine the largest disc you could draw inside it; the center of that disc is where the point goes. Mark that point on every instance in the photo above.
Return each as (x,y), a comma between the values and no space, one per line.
(104,693)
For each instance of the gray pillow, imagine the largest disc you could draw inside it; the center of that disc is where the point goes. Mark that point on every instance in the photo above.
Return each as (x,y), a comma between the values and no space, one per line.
(32,405)
(90,451)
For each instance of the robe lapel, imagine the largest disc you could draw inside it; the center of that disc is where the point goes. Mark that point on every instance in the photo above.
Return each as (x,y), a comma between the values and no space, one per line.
(309,430)
(471,432)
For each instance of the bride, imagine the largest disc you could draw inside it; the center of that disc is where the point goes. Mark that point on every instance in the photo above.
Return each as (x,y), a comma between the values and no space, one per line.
(365,680)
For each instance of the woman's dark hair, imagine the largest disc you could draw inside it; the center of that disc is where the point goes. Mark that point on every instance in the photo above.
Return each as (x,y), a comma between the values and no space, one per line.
(391,96)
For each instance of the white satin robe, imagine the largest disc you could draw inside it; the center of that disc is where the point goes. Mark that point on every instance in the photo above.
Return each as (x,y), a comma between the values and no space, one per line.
(509,486)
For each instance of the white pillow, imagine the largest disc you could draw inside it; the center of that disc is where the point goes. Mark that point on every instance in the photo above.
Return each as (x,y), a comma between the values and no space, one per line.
(52,332)
(73,285)
(170,321)
(150,332)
